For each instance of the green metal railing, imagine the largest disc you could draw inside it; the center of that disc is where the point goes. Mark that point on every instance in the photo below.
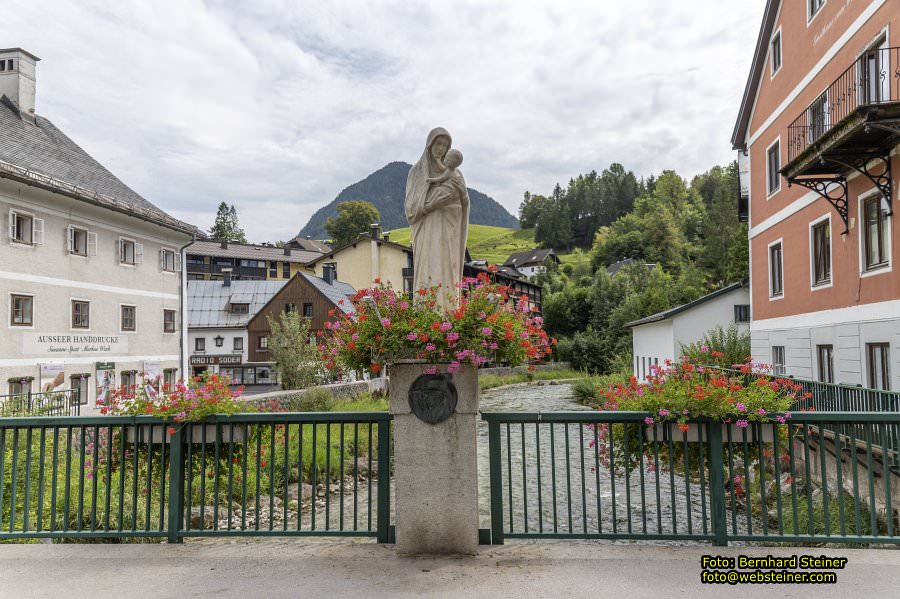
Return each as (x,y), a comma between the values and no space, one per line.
(608,475)
(50,403)
(284,474)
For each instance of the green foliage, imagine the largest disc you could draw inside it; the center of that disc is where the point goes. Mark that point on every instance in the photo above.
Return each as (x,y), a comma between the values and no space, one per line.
(804,525)
(733,343)
(227,227)
(353,217)
(530,210)
(311,400)
(295,358)
(586,389)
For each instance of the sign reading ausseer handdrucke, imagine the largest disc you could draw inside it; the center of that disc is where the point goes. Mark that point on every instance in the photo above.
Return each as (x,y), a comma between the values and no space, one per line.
(73,343)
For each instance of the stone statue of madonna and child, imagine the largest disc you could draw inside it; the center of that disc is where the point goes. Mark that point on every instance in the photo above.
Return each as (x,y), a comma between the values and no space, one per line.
(437,208)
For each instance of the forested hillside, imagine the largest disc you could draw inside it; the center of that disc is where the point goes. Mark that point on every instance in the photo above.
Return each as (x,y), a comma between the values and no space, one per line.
(683,239)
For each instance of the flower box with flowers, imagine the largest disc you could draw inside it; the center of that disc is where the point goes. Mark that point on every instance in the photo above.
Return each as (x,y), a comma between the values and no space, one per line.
(200,433)
(490,324)
(185,402)
(683,391)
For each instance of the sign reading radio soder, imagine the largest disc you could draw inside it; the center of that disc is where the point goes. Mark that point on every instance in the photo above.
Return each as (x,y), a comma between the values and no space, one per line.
(228,360)
(73,343)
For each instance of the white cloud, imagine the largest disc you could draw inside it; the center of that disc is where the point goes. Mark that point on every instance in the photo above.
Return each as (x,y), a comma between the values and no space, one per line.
(275,106)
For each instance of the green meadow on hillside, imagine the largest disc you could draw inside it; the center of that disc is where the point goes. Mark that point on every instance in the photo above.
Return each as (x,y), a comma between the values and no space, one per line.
(493,244)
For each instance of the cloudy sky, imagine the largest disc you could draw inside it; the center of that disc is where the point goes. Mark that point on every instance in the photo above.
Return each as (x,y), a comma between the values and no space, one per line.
(275,106)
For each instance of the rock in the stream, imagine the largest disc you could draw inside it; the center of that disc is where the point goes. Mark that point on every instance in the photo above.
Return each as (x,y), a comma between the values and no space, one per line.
(202,518)
(297,490)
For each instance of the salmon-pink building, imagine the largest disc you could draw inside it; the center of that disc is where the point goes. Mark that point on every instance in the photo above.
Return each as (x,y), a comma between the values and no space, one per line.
(817,136)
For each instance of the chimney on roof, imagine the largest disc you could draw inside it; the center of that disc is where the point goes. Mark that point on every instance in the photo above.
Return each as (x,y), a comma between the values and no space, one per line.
(287,250)
(329,273)
(18,77)
(375,230)
(224,244)
(227,277)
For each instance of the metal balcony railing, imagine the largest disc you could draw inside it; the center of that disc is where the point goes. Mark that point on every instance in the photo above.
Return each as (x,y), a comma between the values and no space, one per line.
(873,79)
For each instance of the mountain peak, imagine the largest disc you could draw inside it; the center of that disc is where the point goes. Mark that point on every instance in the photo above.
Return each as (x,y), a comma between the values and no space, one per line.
(386,189)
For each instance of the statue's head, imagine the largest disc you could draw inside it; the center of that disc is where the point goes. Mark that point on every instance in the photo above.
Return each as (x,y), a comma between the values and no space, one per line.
(439,147)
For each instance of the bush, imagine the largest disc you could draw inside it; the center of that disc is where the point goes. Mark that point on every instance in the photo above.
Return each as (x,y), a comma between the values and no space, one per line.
(731,342)
(312,400)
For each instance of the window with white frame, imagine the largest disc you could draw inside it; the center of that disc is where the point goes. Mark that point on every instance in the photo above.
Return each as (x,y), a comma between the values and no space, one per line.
(778,361)
(878,355)
(200,344)
(130,252)
(776,270)
(128,318)
(169,260)
(238,344)
(263,342)
(775,53)
(80,241)
(81,314)
(813,8)
(825,358)
(169,377)
(876,233)
(773,165)
(24,228)
(168,321)
(821,252)
(128,378)
(20,386)
(21,310)
(818,117)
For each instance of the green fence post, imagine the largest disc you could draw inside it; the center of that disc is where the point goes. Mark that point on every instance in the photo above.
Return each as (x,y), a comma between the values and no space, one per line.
(717,484)
(383,516)
(176,484)
(496,465)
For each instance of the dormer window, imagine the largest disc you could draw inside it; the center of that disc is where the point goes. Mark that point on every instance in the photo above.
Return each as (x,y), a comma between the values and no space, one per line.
(240,308)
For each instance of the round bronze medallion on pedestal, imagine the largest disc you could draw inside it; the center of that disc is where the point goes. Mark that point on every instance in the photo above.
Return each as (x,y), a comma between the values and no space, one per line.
(432,397)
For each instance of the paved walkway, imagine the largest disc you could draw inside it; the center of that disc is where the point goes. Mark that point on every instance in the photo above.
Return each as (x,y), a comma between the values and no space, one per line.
(335,569)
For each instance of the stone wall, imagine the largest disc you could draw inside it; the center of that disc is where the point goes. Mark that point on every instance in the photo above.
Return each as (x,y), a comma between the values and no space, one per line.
(340,391)
(507,370)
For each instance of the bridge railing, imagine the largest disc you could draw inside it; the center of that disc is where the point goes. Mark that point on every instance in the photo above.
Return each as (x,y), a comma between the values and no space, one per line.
(284,474)
(610,475)
(48,403)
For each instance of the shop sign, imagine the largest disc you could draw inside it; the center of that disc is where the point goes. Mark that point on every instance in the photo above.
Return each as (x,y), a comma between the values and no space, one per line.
(73,343)
(226,360)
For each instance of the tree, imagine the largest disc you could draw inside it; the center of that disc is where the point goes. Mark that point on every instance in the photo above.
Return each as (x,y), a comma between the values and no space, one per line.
(296,359)
(530,210)
(227,227)
(353,218)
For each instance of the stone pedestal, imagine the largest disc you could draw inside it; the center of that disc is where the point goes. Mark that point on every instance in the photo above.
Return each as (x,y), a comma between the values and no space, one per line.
(435,465)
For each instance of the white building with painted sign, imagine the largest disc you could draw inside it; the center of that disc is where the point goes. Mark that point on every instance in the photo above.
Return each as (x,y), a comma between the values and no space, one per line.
(90,271)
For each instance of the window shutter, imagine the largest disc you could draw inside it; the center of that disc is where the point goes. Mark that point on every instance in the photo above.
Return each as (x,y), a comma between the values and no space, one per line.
(162,259)
(177,262)
(37,231)
(12,226)
(138,253)
(70,241)
(121,245)
(91,244)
